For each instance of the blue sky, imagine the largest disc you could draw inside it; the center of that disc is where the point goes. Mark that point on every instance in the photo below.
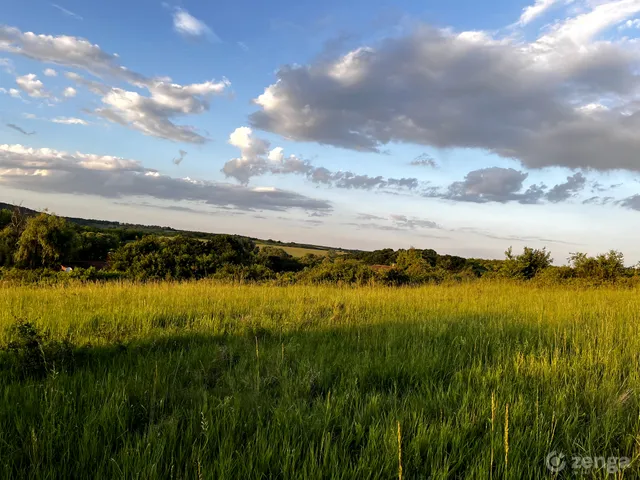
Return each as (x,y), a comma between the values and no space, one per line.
(462,126)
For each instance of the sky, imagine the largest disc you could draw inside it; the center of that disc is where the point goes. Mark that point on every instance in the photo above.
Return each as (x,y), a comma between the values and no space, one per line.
(463,126)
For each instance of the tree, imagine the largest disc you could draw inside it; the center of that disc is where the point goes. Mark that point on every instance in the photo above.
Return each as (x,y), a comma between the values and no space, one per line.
(13,223)
(278,260)
(181,257)
(605,267)
(46,241)
(96,246)
(5,218)
(413,264)
(527,264)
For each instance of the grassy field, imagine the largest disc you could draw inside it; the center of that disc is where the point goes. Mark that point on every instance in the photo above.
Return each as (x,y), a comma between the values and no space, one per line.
(297,251)
(202,380)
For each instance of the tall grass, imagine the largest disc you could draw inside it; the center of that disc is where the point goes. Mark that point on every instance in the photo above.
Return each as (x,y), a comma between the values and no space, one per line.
(205,380)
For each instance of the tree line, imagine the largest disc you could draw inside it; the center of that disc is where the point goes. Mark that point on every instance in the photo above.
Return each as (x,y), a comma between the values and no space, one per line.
(37,245)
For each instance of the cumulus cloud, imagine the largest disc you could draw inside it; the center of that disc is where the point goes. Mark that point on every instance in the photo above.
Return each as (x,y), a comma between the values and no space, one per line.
(472,90)
(494,184)
(186,24)
(69,92)
(153,115)
(635,23)
(50,72)
(256,159)
(12,92)
(65,50)
(51,171)
(632,202)
(563,191)
(582,28)
(30,85)
(503,185)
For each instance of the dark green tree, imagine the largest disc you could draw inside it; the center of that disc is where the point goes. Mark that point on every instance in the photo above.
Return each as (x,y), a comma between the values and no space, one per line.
(527,264)
(47,240)
(604,267)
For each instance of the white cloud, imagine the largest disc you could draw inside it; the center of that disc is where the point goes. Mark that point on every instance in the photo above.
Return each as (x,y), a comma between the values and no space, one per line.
(65,50)
(186,24)
(12,92)
(30,85)
(150,115)
(59,120)
(52,171)
(532,12)
(69,92)
(153,115)
(256,159)
(70,121)
(7,65)
(532,102)
(630,24)
(580,30)
(69,13)
(50,72)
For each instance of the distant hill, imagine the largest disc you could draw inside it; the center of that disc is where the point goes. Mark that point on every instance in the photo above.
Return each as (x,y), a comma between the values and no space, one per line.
(293,248)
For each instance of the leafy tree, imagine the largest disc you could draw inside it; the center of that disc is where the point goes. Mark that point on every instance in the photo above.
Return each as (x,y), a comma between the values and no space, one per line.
(278,260)
(46,241)
(181,257)
(338,271)
(5,218)
(13,224)
(527,264)
(417,266)
(386,256)
(604,267)
(96,245)
(451,263)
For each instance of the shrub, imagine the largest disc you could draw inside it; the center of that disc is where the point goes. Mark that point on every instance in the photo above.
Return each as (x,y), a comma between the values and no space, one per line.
(31,353)
(526,265)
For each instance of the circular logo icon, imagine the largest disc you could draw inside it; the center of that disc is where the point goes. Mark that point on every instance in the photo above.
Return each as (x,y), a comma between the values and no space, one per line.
(555,461)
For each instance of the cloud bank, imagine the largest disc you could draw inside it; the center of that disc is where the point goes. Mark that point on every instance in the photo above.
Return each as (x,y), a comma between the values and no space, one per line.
(51,171)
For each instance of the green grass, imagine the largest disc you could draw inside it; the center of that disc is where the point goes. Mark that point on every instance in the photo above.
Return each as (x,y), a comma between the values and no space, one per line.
(202,380)
(298,251)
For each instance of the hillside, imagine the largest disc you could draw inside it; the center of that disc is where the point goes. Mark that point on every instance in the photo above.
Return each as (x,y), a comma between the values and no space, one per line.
(293,248)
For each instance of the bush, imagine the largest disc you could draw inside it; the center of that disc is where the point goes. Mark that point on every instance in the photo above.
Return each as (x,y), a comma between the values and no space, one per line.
(339,271)
(526,265)
(606,267)
(244,273)
(180,258)
(31,353)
